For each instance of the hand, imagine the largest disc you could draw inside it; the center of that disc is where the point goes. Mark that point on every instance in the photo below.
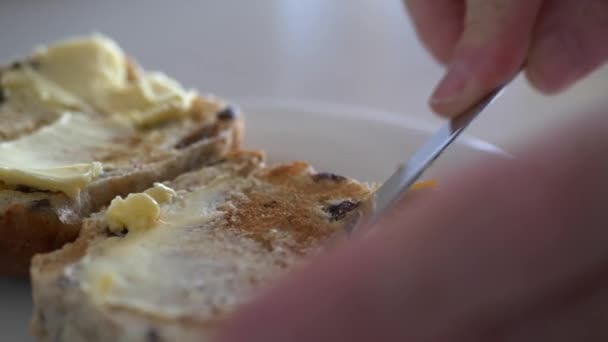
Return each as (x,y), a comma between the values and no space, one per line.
(485,42)
(506,251)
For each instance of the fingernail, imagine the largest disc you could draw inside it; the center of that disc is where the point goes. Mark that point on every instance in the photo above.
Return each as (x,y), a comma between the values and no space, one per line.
(451,86)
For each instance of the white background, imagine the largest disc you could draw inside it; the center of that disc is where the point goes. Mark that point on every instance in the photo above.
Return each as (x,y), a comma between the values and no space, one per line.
(357,52)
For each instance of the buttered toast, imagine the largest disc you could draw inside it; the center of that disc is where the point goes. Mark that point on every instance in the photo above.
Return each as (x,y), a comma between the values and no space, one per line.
(81,123)
(170,263)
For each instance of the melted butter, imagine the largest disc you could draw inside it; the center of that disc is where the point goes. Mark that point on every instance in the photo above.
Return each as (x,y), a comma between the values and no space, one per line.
(156,97)
(28,88)
(138,212)
(92,74)
(187,265)
(73,81)
(201,204)
(58,157)
(161,193)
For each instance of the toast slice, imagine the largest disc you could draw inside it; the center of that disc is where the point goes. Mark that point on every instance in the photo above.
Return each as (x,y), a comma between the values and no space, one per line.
(81,123)
(222,233)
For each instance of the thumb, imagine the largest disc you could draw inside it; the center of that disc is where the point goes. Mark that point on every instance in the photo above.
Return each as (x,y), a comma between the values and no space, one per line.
(493,47)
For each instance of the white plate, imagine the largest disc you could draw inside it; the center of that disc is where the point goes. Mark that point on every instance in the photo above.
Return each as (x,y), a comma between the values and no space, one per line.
(363,143)
(358,142)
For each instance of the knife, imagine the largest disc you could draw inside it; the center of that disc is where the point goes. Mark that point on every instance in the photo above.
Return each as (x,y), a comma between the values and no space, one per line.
(393,189)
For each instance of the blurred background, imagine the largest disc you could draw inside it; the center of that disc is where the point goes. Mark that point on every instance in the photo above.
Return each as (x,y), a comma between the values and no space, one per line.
(356,52)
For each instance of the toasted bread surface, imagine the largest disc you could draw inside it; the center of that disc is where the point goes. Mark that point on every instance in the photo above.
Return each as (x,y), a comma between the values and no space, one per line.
(232,229)
(35,220)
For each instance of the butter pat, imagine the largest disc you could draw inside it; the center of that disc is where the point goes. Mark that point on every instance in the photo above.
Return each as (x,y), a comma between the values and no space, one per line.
(161,193)
(137,213)
(92,74)
(91,95)
(58,157)
(67,179)
(162,271)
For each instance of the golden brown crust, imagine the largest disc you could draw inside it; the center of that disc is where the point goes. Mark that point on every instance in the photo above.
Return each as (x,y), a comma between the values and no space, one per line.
(295,189)
(285,212)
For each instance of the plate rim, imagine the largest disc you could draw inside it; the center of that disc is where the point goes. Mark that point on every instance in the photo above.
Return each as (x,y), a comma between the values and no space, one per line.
(362,112)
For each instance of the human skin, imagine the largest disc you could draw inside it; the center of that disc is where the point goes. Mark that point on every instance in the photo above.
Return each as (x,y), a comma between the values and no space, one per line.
(484,43)
(505,250)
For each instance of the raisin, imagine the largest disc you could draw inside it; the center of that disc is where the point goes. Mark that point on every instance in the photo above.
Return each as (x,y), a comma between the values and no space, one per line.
(152,335)
(64,282)
(227,114)
(328,176)
(15,66)
(40,205)
(41,318)
(122,233)
(271,204)
(196,136)
(34,64)
(27,189)
(338,211)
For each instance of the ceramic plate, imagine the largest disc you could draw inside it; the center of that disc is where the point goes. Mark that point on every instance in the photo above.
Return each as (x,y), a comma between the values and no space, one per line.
(363,143)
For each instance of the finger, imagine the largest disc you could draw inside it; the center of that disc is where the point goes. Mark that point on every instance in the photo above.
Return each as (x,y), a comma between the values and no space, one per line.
(493,47)
(439,24)
(457,266)
(568,43)
(580,315)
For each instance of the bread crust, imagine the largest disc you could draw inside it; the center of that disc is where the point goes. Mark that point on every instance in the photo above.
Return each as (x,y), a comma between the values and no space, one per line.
(293,199)
(38,222)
